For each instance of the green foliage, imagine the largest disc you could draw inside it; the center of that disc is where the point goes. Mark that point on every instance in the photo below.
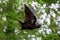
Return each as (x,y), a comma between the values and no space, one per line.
(11,12)
(47,1)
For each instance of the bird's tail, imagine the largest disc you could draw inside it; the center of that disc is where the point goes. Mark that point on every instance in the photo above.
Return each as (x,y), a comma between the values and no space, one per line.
(20,22)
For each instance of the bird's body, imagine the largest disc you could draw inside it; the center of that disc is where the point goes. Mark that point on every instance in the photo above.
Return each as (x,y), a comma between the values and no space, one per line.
(29,26)
(30,20)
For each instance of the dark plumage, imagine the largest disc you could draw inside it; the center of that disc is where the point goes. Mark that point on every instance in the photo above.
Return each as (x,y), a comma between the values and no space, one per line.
(30,20)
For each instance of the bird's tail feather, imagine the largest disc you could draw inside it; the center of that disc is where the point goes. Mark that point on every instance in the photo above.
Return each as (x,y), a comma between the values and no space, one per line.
(20,22)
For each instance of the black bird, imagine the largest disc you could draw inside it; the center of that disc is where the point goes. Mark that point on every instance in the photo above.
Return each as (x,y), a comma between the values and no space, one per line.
(30,20)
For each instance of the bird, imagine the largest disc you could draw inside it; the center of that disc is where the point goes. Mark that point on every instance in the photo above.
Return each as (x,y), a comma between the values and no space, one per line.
(30,19)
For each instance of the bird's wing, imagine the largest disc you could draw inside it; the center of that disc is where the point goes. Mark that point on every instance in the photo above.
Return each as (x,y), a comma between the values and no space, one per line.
(30,15)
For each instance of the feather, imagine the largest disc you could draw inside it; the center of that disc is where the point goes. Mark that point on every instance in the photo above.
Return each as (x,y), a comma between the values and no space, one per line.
(30,20)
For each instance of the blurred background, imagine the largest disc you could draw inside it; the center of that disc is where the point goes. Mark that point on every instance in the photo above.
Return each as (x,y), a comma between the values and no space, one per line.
(47,11)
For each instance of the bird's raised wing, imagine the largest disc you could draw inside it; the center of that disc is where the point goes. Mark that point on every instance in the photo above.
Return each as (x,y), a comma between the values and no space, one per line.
(30,15)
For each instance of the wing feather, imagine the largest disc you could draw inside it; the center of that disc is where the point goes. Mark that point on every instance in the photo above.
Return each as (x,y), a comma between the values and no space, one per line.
(30,15)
